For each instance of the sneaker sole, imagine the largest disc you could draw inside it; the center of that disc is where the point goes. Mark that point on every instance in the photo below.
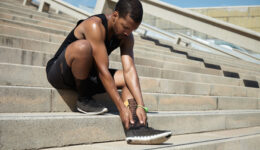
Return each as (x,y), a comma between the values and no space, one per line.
(93,113)
(149,140)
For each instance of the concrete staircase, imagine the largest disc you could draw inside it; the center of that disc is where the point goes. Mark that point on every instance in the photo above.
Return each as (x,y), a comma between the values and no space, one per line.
(209,101)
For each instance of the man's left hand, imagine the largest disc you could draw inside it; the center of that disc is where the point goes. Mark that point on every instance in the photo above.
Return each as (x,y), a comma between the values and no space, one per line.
(141,114)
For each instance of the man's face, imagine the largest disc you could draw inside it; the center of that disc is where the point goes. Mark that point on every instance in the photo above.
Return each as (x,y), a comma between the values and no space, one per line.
(123,26)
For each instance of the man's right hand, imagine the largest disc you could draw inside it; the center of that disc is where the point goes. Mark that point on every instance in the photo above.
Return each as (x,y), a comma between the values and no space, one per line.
(126,117)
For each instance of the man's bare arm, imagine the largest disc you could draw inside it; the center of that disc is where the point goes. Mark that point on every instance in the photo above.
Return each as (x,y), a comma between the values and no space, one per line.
(94,36)
(130,73)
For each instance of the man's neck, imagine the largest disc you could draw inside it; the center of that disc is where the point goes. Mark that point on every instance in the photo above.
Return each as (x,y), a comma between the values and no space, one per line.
(109,26)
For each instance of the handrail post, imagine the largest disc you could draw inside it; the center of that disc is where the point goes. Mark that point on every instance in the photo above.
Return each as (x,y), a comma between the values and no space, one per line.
(104,6)
(43,7)
(27,2)
(100,6)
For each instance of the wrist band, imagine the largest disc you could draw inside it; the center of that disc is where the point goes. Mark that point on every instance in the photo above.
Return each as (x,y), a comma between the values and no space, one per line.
(145,108)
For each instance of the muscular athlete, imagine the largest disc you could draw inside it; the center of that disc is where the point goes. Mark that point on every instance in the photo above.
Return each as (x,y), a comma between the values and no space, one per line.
(82,63)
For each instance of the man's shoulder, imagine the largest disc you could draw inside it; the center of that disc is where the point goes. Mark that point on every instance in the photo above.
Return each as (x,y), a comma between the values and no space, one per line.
(92,27)
(92,22)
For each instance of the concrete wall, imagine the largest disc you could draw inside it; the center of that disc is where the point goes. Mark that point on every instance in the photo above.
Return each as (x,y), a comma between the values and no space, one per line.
(245,16)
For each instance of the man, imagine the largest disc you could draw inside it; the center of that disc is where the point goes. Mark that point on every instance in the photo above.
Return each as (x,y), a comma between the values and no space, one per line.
(81,63)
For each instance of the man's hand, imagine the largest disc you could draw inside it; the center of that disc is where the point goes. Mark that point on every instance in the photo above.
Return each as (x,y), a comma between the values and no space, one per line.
(126,117)
(141,114)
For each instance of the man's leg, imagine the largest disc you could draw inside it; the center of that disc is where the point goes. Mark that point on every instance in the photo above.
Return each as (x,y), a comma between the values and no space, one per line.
(127,96)
(120,83)
(79,58)
(138,133)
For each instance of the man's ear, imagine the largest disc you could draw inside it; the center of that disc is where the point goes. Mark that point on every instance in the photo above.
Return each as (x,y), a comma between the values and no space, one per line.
(115,15)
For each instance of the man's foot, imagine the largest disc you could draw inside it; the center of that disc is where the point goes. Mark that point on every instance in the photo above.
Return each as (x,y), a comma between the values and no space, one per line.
(146,135)
(90,106)
(142,134)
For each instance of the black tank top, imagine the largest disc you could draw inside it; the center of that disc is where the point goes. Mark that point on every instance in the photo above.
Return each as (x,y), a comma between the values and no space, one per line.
(110,45)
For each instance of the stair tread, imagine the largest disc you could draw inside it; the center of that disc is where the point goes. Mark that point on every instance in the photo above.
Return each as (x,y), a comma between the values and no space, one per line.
(176,142)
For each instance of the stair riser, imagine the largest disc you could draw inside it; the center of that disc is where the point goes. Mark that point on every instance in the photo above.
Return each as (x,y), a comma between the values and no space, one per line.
(60,131)
(38,133)
(148,54)
(28,10)
(213,56)
(22,99)
(48,47)
(35,17)
(35,22)
(31,26)
(36,77)
(242,143)
(31,34)
(18,42)
(17,56)
(208,57)
(28,44)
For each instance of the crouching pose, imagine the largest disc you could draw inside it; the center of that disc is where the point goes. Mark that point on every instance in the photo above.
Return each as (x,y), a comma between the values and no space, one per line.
(81,63)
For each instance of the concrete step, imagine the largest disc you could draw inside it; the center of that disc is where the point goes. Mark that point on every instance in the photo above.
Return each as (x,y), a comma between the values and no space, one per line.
(60,129)
(35,22)
(20,7)
(162,51)
(23,75)
(236,139)
(26,57)
(145,52)
(29,44)
(20,24)
(31,34)
(221,60)
(214,56)
(249,68)
(158,49)
(209,57)
(20,99)
(176,58)
(222,57)
(171,46)
(228,66)
(246,74)
(49,47)
(35,16)
(167,56)
(43,46)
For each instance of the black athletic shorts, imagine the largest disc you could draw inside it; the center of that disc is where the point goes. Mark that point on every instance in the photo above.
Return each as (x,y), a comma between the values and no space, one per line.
(60,76)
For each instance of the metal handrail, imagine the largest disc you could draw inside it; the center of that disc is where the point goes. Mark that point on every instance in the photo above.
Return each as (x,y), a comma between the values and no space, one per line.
(216,28)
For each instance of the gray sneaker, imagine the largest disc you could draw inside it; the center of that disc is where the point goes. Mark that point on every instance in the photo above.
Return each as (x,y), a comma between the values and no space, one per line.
(90,106)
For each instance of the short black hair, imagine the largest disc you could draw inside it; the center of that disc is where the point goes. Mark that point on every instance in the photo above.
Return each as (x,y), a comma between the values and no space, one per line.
(132,7)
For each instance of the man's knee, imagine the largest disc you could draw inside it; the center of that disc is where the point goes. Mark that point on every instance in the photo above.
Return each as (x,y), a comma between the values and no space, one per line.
(79,50)
(83,49)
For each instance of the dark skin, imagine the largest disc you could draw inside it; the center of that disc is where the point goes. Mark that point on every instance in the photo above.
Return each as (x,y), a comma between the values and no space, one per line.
(90,51)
